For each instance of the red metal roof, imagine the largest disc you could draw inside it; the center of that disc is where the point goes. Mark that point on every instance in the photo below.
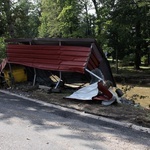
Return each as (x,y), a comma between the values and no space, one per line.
(56,54)
(60,58)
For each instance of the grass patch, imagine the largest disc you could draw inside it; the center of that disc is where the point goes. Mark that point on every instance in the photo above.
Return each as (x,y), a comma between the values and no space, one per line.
(134,83)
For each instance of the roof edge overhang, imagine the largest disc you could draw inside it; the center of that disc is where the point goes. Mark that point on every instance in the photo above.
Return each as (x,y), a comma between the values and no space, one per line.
(54,41)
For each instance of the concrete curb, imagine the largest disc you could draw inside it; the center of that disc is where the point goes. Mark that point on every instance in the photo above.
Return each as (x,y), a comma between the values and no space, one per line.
(128,125)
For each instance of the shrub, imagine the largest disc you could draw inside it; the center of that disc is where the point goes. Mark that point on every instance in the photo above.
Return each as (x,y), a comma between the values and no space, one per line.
(144,59)
(2,49)
(128,60)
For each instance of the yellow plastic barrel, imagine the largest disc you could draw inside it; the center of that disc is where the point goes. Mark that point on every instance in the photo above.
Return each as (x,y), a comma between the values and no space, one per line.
(18,75)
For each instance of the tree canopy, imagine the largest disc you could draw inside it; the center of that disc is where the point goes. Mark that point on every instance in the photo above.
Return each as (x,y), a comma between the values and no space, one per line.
(121,27)
(19,18)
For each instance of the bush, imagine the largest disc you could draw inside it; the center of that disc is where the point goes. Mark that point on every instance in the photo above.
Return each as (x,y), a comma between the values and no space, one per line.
(128,60)
(2,49)
(144,59)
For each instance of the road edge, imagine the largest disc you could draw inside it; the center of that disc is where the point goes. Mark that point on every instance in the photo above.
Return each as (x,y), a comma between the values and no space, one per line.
(124,124)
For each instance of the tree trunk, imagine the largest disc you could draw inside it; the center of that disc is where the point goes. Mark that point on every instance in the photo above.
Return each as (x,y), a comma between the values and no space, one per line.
(98,16)
(148,55)
(87,20)
(138,46)
(117,60)
(10,26)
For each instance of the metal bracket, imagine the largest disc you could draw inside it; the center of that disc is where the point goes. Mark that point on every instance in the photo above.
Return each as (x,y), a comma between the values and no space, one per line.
(34,77)
(94,75)
(58,81)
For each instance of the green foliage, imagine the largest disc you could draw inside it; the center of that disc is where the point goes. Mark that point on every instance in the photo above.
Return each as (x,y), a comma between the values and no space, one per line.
(129,28)
(66,18)
(144,59)
(128,60)
(2,49)
(26,20)
(120,27)
(19,19)
(69,19)
(49,23)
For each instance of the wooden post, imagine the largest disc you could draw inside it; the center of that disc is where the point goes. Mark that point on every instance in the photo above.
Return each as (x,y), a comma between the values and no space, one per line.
(11,75)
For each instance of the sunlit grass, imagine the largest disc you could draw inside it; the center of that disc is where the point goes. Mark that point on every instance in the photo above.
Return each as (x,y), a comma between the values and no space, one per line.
(141,91)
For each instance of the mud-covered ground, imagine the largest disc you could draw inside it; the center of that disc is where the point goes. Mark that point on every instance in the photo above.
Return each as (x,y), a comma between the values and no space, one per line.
(133,113)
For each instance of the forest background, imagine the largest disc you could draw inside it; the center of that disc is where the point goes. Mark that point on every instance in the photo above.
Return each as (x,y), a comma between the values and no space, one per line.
(121,27)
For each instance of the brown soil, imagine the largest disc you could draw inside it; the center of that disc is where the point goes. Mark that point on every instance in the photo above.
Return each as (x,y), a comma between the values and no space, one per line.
(134,113)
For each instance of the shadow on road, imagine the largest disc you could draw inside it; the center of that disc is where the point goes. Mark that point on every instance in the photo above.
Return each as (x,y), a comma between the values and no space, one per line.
(49,118)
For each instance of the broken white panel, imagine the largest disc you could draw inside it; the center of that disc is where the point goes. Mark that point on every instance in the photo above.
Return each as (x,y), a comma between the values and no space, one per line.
(85,93)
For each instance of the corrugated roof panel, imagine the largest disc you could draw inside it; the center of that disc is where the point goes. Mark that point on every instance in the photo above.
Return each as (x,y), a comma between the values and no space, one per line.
(83,63)
(86,51)
(73,58)
(74,53)
(35,60)
(37,56)
(60,58)
(25,51)
(43,66)
(93,61)
(70,68)
(32,49)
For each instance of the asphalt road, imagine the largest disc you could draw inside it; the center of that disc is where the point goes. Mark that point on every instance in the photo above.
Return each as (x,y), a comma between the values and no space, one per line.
(27,125)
